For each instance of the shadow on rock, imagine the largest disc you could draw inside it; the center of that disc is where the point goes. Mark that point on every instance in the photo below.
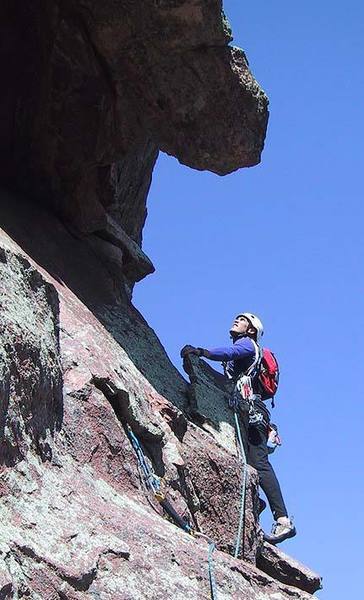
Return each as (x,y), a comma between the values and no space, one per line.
(72,263)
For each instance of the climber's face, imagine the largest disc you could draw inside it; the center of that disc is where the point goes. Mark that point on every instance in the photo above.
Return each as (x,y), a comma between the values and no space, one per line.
(241,326)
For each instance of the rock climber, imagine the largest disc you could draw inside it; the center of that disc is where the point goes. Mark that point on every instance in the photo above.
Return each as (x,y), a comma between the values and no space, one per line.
(240,358)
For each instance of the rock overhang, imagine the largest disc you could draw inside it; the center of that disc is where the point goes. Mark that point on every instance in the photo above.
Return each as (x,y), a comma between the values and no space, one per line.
(97,80)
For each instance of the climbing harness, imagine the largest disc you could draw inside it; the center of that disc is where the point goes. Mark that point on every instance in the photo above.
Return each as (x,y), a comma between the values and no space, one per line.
(240,534)
(244,387)
(243,396)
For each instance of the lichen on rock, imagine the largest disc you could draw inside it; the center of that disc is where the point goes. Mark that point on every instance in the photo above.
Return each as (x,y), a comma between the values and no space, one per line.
(30,370)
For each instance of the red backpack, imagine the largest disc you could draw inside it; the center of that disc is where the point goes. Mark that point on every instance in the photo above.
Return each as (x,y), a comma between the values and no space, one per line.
(268,374)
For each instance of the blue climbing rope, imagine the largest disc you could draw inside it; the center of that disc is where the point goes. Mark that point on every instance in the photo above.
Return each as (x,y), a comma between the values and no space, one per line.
(240,533)
(212,579)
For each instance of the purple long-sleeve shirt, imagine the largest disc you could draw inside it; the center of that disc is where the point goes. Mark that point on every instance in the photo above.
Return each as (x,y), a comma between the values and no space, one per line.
(240,355)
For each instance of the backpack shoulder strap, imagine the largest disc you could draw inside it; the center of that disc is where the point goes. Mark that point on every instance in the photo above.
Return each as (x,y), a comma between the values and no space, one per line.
(254,367)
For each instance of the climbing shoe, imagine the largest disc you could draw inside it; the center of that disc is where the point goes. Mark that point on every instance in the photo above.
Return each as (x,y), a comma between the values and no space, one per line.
(280,532)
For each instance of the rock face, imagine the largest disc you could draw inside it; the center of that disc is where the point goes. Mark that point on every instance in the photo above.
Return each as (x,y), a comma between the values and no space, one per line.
(76,518)
(30,372)
(93,91)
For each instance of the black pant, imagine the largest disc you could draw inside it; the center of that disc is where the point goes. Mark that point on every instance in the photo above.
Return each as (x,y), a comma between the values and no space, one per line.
(257,457)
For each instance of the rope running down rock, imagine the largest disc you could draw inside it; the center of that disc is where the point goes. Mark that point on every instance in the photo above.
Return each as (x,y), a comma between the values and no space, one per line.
(240,534)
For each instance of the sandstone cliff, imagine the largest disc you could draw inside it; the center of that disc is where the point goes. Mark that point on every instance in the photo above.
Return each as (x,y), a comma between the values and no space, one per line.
(95,89)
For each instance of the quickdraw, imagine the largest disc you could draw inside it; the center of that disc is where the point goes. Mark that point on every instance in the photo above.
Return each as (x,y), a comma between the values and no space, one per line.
(152,482)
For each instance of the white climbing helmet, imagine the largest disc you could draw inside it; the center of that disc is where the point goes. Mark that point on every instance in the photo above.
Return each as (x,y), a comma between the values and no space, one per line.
(256,323)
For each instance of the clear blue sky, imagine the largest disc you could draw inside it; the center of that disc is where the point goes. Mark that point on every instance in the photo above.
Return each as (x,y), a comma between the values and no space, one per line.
(285,240)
